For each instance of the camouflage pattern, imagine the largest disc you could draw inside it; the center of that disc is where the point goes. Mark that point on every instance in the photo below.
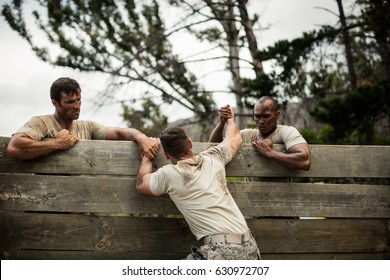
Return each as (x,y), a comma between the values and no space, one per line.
(226,251)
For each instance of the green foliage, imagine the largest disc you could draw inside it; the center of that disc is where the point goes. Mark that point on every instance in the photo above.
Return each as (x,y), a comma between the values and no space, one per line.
(353,115)
(149,119)
(318,137)
(315,65)
(253,89)
(290,76)
(125,39)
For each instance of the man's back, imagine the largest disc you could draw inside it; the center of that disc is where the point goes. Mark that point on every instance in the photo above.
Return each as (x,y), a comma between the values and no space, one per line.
(198,188)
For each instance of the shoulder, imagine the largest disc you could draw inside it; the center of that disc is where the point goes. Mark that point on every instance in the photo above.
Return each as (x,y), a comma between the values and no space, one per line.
(287,129)
(160,181)
(249,134)
(94,125)
(290,135)
(248,131)
(218,152)
(44,118)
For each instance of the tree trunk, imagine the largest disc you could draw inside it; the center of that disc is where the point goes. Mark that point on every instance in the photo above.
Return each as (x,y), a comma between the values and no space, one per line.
(347,44)
(250,36)
(225,15)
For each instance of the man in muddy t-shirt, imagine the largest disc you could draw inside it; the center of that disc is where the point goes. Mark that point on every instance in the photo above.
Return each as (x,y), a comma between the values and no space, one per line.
(46,134)
(268,132)
(198,187)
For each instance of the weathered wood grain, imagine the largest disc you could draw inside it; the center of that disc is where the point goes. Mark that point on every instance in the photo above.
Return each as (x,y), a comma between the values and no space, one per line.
(122,158)
(80,204)
(91,255)
(26,192)
(61,232)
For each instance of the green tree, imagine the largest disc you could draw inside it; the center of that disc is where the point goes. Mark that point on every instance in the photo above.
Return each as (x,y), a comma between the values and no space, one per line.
(149,118)
(344,67)
(124,39)
(354,114)
(230,29)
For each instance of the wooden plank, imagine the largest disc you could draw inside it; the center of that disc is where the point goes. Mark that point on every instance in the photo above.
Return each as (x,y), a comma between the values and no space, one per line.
(122,158)
(70,232)
(302,200)
(321,236)
(25,192)
(91,255)
(328,256)
(87,255)
(114,235)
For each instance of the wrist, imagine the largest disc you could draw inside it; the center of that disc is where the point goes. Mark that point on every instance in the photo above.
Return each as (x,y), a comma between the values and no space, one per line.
(145,158)
(139,136)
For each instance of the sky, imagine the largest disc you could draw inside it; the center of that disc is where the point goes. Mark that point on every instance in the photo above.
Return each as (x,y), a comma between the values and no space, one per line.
(25,80)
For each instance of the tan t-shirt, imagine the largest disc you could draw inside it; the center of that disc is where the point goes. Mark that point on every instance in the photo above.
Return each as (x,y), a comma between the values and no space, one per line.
(287,135)
(198,188)
(43,127)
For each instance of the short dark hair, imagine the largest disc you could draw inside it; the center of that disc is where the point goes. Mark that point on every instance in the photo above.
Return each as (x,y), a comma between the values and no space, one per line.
(174,141)
(66,85)
(265,98)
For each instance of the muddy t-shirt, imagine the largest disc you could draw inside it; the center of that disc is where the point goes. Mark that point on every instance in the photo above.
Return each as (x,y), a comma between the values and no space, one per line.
(44,127)
(284,134)
(198,188)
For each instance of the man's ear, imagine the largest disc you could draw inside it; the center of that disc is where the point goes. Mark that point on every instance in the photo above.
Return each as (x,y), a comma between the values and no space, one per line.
(55,103)
(167,156)
(190,143)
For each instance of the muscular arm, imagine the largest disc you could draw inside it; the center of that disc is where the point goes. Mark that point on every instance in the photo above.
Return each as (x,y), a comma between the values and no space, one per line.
(146,144)
(224,114)
(23,147)
(217,133)
(143,177)
(233,137)
(296,157)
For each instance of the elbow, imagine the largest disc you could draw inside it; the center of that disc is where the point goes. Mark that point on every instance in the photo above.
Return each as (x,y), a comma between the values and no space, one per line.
(13,152)
(306,165)
(138,189)
(143,190)
(239,140)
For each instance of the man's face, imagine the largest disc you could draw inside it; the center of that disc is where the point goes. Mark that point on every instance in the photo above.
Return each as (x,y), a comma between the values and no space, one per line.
(69,107)
(265,117)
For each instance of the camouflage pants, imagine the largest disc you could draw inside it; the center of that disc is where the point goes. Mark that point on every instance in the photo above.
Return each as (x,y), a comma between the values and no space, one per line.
(226,251)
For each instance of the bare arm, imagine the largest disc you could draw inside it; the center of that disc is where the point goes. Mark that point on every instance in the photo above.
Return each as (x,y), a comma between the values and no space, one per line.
(23,147)
(217,134)
(224,114)
(145,172)
(147,145)
(296,157)
(143,177)
(233,137)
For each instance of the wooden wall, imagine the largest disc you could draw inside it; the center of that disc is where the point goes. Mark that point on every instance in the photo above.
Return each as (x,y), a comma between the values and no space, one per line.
(82,204)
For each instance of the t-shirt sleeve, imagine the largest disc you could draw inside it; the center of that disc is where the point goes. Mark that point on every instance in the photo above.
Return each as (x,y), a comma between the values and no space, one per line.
(246,135)
(35,128)
(291,137)
(98,131)
(158,185)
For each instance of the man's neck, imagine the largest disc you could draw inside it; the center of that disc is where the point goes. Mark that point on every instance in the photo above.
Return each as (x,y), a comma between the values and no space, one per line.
(265,135)
(65,124)
(185,157)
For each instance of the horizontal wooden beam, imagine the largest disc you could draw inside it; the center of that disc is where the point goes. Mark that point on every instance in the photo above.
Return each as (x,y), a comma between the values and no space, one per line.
(102,194)
(114,235)
(122,158)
